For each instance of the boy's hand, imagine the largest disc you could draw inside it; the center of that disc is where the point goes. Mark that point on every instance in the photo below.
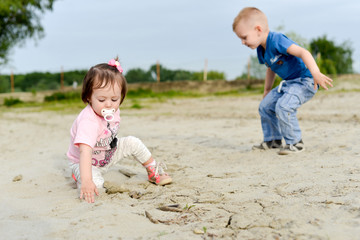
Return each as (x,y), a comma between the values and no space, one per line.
(310,63)
(87,191)
(265,93)
(322,80)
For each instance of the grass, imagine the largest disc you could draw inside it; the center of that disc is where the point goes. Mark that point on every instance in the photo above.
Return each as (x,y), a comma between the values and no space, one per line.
(70,102)
(148,93)
(62,106)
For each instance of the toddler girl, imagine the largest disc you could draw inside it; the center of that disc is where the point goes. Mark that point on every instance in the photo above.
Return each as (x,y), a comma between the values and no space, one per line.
(94,143)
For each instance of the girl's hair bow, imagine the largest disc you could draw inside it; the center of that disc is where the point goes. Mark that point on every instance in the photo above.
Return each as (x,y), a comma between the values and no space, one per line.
(116,64)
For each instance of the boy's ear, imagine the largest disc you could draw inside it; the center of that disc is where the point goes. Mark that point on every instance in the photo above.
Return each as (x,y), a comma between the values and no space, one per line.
(258,28)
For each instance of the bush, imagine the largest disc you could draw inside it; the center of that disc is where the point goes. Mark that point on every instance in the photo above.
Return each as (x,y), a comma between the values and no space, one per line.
(11,101)
(140,93)
(60,96)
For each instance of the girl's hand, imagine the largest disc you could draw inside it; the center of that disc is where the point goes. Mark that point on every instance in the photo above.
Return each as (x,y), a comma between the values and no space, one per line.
(88,187)
(87,191)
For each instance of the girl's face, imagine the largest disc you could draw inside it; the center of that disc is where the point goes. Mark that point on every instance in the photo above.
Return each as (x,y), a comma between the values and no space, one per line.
(107,97)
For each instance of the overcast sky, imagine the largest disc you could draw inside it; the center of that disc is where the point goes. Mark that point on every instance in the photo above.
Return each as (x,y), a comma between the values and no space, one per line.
(178,34)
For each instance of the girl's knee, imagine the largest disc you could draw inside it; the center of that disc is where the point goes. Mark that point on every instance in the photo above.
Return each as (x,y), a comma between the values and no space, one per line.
(99,182)
(129,143)
(135,147)
(97,178)
(131,140)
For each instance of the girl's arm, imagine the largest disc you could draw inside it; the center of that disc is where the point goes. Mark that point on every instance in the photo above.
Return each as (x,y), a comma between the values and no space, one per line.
(310,63)
(269,81)
(88,187)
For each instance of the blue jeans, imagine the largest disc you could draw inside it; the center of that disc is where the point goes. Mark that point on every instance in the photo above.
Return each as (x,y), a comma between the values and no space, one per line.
(279,107)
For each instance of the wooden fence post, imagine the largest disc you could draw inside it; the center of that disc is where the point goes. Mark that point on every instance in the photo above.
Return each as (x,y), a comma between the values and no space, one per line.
(158,71)
(12,81)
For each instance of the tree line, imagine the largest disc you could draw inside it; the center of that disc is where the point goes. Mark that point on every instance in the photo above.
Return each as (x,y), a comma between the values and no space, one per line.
(39,81)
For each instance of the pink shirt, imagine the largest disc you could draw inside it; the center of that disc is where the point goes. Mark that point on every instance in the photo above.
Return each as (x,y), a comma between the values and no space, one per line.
(92,130)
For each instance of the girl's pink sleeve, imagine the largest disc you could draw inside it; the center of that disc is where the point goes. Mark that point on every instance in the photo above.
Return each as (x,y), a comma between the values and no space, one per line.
(87,132)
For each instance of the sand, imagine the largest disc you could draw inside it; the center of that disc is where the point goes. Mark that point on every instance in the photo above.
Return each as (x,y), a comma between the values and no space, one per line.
(222,189)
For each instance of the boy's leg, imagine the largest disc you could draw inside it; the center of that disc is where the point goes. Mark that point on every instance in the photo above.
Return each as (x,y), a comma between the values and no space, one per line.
(269,121)
(295,93)
(286,110)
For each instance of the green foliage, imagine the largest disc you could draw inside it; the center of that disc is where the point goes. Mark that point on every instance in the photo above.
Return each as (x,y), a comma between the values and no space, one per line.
(182,75)
(60,96)
(38,81)
(138,75)
(211,75)
(11,101)
(198,76)
(20,20)
(136,105)
(4,84)
(277,81)
(326,66)
(163,233)
(179,74)
(214,75)
(165,74)
(148,93)
(72,76)
(332,56)
(142,93)
(188,207)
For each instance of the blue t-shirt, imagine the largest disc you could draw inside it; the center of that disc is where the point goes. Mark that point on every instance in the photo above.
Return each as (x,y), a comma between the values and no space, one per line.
(283,64)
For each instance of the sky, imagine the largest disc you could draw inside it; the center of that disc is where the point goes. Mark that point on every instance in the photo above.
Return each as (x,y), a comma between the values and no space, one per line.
(178,34)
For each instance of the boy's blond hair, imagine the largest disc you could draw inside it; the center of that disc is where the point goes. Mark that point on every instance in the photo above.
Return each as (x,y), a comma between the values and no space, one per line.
(251,15)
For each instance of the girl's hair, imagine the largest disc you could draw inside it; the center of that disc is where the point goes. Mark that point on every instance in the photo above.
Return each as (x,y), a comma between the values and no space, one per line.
(100,76)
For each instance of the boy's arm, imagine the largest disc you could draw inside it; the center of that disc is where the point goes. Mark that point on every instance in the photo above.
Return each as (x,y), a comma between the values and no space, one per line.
(87,185)
(310,63)
(269,81)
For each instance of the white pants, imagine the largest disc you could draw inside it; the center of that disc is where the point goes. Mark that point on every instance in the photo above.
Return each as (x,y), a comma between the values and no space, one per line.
(126,147)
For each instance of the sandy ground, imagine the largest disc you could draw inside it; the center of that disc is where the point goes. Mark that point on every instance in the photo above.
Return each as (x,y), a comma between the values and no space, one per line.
(222,188)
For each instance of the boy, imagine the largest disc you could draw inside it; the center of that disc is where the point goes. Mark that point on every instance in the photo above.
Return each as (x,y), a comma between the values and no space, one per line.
(301,79)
